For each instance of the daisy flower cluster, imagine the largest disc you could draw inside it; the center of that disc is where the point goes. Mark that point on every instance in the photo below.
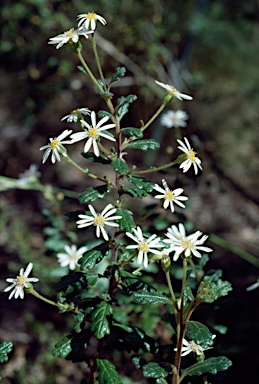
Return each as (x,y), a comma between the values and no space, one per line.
(92,132)
(87,23)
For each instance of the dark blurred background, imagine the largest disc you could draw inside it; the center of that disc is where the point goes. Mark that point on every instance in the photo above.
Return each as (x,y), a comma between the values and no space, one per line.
(209,49)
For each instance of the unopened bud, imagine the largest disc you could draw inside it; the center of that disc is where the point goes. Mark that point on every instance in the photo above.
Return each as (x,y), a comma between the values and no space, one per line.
(166,263)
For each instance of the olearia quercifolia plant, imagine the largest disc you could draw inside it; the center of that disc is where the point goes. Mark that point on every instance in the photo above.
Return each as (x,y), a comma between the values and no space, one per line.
(105,302)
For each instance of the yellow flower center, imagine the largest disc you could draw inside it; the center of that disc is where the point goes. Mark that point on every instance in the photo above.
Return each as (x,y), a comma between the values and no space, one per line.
(21,280)
(169,195)
(195,347)
(187,244)
(70,33)
(173,90)
(191,155)
(93,133)
(143,246)
(91,16)
(54,144)
(73,256)
(99,221)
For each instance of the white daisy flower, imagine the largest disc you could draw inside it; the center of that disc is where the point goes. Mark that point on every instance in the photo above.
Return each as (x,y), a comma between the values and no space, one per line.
(74,115)
(170,197)
(99,220)
(174,119)
(72,35)
(173,91)
(30,175)
(192,159)
(191,346)
(55,147)
(88,20)
(93,132)
(180,243)
(20,282)
(71,257)
(144,245)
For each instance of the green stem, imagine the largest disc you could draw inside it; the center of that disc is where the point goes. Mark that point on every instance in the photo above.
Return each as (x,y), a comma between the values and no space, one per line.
(89,72)
(39,296)
(69,160)
(149,213)
(171,290)
(98,61)
(156,114)
(155,169)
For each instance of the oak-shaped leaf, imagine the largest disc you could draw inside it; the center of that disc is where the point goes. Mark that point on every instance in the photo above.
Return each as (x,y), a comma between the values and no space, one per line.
(120,166)
(151,298)
(75,282)
(210,291)
(211,365)
(131,283)
(72,347)
(5,348)
(141,183)
(100,323)
(89,260)
(199,333)
(131,132)
(154,370)
(118,74)
(130,339)
(126,222)
(107,373)
(92,194)
(144,145)
(122,106)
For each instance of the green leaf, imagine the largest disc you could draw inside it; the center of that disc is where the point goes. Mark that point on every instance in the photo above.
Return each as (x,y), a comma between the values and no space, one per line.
(100,325)
(211,365)
(79,319)
(123,105)
(107,372)
(141,183)
(93,257)
(95,159)
(131,132)
(154,370)
(105,95)
(144,145)
(118,74)
(210,291)
(161,380)
(120,166)
(188,293)
(102,114)
(199,333)
(82,69)
(131,283)
(126,222)
(93,194)
(75,282)
(135,192)
(130,339)
(63,348)
(151,298)
(5,348)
